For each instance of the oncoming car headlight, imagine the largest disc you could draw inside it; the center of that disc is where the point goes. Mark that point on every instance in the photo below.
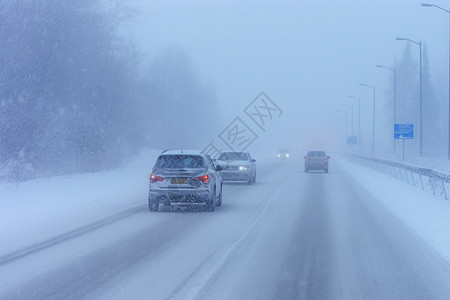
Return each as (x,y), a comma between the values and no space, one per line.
(243,168)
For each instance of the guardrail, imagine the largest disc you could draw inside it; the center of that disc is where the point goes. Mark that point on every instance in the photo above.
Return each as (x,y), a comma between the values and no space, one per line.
(427,179)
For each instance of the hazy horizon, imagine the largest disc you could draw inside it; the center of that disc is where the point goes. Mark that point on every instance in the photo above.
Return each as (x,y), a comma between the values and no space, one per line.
(307,56)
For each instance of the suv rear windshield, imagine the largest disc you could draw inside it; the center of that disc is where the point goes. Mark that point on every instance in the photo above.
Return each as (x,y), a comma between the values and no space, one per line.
(180,161)
(316,154)
(234,156)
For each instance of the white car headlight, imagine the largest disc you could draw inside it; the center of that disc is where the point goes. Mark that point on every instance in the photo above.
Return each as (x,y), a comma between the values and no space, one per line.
(243,168)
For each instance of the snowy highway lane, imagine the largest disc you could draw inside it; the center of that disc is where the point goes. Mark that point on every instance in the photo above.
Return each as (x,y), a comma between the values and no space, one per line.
(290,236)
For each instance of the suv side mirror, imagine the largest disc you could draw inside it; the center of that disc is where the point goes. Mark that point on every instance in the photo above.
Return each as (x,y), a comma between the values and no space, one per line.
(218,168)
(253,160)
(328,157)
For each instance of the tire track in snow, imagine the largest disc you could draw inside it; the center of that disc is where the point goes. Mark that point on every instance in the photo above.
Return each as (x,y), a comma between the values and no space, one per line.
(16,255)
(202,278)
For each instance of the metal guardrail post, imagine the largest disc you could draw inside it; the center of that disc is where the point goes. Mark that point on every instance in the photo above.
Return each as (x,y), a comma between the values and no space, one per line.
(390,167)
(412,178)
(406,174)
(443,189)
(432,185)
(421,182)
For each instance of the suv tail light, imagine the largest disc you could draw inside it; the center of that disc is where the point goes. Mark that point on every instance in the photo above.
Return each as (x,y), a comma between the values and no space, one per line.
(204,178)
(307,158)
(326,159)
(154,178)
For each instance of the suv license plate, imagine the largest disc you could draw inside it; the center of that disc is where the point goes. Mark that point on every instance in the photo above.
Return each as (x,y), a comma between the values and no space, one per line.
(178,180)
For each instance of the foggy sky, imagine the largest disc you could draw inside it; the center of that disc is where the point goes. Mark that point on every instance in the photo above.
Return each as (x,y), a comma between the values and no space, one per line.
(306,55)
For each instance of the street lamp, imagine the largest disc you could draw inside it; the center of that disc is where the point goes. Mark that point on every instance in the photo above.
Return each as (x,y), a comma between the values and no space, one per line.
(420,103)
(447,11)
(373,115)
(395,92)
(351,106)
(346,122)
(359,120)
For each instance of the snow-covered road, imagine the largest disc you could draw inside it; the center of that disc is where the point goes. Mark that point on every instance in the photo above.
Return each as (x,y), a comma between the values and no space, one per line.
(290,236)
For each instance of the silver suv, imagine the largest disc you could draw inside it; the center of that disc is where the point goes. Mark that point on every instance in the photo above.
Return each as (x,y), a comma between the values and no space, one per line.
(185,178)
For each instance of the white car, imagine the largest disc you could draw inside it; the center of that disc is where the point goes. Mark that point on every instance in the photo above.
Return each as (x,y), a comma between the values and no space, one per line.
(237,166)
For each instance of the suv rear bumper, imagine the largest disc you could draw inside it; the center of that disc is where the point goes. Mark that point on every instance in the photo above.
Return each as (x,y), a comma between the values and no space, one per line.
(317,166)
(179,196)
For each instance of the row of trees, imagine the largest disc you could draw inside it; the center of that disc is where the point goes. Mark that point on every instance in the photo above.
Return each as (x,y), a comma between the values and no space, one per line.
(73,97)
(434,117)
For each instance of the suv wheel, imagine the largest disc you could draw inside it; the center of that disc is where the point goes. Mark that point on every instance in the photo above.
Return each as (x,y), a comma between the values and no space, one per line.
(153,205)
(211,204)
(219,200)
(250,181)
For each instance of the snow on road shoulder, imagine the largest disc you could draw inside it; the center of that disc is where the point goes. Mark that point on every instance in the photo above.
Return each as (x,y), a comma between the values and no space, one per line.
(427,215)
(40,209)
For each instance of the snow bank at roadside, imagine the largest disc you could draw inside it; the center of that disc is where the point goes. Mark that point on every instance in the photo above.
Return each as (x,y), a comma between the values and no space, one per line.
(427,215)
(40,209)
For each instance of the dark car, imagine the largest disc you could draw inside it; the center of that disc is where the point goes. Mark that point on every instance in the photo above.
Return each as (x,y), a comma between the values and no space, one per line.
(185,178)
(283,154)
(316,160)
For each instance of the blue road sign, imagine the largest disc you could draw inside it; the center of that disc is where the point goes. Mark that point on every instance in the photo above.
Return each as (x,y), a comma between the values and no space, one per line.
(352,140)
(403,131)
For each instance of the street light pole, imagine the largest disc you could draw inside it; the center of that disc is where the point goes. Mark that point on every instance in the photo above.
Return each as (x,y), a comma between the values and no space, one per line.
(373,116)
(447,11)
(420,102)
(395,94)
(359,121)
(351,106)
(346,124)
